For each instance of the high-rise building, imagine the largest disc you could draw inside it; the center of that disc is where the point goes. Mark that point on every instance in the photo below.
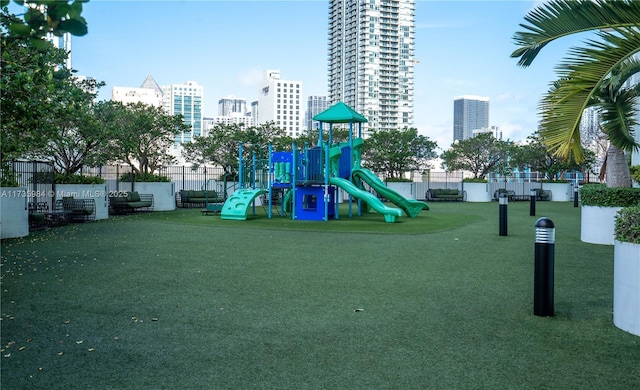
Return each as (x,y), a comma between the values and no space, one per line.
(209,123)
(186,100)
(315,105)
(232,106)
(149,93)
(371,59)
(279,101)
(469,113)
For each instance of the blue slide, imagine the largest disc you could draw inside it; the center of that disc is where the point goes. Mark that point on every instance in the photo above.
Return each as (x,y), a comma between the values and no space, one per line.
(390,214)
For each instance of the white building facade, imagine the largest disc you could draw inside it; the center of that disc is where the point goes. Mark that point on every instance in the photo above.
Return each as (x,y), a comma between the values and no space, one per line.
(315,105)
(232,106)
(280,101)
(371,59)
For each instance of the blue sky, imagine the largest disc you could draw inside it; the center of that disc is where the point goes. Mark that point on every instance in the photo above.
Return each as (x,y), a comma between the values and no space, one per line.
(463,48)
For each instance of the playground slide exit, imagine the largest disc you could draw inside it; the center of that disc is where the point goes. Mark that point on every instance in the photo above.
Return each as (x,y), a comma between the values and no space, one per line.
(390,214)
(410,206)
(236,206)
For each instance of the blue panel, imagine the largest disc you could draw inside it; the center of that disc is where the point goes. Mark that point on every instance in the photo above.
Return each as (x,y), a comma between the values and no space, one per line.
(315,165)
(344,164)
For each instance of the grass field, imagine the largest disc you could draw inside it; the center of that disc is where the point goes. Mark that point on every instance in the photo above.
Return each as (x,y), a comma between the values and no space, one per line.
(177,300)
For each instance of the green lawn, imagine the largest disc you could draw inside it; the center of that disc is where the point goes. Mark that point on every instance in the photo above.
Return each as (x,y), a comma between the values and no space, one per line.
(177,300)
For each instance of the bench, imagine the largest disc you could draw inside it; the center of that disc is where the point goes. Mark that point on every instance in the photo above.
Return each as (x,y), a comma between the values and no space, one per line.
(131,203)
(543,194)
(198,198)
(512,196)
(445,194)
(38,215)
(76,210)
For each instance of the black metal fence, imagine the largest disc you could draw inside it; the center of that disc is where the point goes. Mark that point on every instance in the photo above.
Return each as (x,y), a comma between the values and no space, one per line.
(39,179)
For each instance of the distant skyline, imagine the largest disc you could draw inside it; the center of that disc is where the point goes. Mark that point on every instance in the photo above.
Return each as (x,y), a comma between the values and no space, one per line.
(225,46)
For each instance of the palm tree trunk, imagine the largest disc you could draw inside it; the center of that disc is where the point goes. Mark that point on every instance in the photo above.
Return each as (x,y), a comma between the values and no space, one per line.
(618,174)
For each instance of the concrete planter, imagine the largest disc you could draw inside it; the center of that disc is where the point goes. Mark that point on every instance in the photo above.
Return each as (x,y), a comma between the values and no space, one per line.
(560,192)
(626,287)
(406,189)
(14,212)
(98,192)
(164,198)
(597,224)
(477,192)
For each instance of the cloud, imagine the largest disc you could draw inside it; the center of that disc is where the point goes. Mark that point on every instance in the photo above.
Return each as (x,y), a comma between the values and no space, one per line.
(250,78)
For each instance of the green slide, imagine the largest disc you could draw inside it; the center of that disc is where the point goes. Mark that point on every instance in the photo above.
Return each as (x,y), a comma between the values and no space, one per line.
(237,205)
(410,206)
(390,213)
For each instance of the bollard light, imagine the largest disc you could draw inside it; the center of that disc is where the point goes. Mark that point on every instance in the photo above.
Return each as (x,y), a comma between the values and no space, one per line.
(575,196)
(544,267)
(503,201)
(532,201)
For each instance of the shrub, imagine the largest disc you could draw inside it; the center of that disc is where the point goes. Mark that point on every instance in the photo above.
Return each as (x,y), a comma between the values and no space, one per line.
(603,196)
(627,225)
(144,177)
(76,178)
(9,180)
(397,180)
(635,173)
(474,180)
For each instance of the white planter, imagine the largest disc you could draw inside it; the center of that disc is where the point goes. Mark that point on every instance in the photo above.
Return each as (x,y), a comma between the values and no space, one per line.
(14,212)
(560,192)
(626,287)
(164,198)
(597,223)
(98,192)
(477,192)
(406,189)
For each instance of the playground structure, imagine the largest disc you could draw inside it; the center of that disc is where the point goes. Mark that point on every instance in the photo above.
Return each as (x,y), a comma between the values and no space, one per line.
(305,183)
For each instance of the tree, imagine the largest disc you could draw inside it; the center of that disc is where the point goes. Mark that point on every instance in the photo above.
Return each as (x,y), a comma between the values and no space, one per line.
(29,66)
(534,155)
(221,146)
(394,152)
(27,82)
(586,69)
(76,138)
(142,135)
(479,155)
(45,16)
(616,101)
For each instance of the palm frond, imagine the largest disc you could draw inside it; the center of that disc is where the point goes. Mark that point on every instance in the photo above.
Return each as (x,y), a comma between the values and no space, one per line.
(558,18)
(582,74)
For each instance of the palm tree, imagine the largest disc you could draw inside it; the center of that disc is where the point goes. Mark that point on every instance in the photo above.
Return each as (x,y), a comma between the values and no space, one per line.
(586,72)
(616,101)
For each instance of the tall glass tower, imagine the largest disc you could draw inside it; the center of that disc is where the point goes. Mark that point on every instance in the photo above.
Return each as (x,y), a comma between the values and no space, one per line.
(186,100)
(371,59)
(469,113)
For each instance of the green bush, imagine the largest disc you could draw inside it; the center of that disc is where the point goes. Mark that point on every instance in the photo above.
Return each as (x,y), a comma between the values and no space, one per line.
(603,196)
(397,180)
(8,178)
(76,178)
(627,225)
(9,181)
(144,177)
(635,173)
(474,180)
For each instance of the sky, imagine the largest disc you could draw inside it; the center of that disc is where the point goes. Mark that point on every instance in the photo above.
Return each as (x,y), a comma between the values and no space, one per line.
(463,47)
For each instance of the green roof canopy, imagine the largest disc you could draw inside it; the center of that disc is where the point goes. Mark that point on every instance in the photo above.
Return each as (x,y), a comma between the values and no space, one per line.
(339,113)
